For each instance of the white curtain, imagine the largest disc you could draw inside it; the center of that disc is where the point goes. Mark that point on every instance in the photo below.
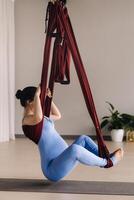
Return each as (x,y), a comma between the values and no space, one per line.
(7,71)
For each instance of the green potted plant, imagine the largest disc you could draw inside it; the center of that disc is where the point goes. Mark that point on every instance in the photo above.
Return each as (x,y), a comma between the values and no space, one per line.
(128,121)
(114,123)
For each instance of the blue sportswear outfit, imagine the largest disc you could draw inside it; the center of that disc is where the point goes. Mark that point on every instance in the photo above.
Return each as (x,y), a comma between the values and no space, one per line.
(58,159)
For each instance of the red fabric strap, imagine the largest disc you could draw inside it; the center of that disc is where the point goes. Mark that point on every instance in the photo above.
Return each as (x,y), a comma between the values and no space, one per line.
(59,27)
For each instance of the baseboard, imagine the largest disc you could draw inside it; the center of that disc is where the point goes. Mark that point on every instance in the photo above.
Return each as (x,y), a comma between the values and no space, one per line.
(20,136)
(73,137)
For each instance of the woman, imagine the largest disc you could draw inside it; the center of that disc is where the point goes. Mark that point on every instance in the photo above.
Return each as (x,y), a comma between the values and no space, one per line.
(57,158)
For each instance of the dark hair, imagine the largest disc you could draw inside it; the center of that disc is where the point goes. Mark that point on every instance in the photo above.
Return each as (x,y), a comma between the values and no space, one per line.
(26,94)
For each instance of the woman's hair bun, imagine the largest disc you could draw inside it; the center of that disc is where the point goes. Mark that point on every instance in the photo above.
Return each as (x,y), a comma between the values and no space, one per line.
(18,94)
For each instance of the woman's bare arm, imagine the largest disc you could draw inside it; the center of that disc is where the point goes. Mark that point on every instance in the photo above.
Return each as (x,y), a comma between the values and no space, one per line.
(36,117)
(38,114)
(55,113)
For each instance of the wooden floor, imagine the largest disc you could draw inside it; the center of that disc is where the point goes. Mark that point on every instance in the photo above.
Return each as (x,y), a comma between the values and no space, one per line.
(20,159)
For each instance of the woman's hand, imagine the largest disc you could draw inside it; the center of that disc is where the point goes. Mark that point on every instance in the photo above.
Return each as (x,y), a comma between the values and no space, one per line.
(48,93)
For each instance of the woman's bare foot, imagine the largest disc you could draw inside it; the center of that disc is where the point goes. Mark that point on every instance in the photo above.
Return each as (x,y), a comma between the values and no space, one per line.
(117,155)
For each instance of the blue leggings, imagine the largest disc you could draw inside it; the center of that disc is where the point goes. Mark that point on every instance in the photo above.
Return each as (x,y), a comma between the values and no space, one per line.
(58,159)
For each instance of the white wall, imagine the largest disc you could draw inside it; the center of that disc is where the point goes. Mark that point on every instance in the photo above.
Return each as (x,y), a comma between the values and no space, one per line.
(104,31)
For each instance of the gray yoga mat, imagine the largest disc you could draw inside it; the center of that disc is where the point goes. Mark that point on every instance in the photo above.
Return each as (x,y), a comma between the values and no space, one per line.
(67,186)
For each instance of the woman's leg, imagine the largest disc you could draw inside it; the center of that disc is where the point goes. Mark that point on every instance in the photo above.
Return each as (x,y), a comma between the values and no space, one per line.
(69,158)
(86,142)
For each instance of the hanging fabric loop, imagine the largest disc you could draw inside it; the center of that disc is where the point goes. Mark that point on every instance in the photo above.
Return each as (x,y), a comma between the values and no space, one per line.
(60,27)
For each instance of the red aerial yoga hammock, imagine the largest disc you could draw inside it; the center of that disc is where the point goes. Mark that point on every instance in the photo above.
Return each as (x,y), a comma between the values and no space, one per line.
(58,26)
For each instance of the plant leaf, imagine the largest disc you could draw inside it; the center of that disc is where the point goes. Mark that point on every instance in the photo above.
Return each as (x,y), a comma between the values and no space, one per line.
(104,123)
(111,105)
(106,117)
